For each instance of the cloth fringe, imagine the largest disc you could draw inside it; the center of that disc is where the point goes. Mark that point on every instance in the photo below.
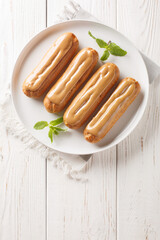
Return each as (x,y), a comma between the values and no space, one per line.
(15,128)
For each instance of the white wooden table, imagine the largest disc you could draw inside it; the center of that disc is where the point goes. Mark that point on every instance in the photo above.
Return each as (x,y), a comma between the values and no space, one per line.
(121,200)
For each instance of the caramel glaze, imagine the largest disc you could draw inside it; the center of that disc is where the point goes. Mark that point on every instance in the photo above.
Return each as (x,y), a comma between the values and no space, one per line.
(112,110)
(76,73)
(91,95)
(50,66)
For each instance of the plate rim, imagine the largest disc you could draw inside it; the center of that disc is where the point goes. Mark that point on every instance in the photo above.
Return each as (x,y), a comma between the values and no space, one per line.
(20,54)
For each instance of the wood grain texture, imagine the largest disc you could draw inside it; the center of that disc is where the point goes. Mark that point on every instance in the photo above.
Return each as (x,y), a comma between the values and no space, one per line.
(22,196)
(138,178)
(79,210)
(104,11)
(22,172)
(84,210)
(120,200)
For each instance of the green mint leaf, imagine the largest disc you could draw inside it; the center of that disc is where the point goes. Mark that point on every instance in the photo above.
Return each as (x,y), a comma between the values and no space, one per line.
(90,34)
(111,48)
(101,43)
(55,132)
(40,125)
(105,55)
(60,129)
(116,50)
(57,121)
(50,134)
(52,129)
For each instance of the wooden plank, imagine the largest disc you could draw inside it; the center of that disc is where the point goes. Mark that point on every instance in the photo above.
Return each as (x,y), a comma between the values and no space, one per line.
(104,11)
(138,178)
(79,210)
(22,172)
(84,210)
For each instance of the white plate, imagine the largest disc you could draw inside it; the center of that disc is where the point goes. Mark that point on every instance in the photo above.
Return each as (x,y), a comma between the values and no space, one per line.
(30,110)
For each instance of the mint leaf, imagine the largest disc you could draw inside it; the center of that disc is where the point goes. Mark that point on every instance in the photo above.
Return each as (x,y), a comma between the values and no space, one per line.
(116,50)
(105,55)
(50,134)
(55,131)
(57,121)
(60,129)
(111,48)
(40,125)
(52,129)
(101,43)
(91,35)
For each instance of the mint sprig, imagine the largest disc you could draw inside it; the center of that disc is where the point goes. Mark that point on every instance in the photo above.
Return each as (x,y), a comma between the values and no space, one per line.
(111,48)
(105,55)
(56,122)
(53,130)
(40,125)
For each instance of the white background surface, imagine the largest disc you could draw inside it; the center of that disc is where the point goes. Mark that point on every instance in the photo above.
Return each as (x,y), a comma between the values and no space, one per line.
(121,200)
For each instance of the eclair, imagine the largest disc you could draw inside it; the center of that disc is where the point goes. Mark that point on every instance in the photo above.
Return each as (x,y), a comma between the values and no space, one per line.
(55,59)
(112,110)
(87,100)
(74,76)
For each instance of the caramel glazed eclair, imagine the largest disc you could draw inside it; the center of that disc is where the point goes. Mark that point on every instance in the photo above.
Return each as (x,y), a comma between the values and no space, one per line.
(51,65)
(91,95)
(76,73)
(112,110)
